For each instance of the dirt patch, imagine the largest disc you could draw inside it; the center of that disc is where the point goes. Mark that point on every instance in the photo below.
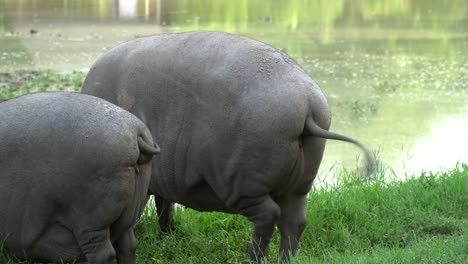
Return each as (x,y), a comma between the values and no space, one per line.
(17,83)
(16,79)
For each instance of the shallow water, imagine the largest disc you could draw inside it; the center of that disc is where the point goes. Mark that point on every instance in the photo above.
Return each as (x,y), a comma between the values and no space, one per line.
(395,72)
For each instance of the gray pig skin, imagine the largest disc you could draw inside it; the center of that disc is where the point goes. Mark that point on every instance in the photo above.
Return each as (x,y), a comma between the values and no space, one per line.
(74,173)
(242,127)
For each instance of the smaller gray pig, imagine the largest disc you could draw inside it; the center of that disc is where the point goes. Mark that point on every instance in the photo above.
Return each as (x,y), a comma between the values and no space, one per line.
(74,175)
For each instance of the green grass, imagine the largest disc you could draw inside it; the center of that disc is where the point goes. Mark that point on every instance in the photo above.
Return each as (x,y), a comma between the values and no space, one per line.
(450,249)
(420,220)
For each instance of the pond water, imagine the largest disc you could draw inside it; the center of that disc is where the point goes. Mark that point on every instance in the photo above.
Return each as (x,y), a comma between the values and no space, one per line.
(395,72)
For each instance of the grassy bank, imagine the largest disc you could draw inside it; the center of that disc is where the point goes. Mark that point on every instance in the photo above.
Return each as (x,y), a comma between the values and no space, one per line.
(421,220)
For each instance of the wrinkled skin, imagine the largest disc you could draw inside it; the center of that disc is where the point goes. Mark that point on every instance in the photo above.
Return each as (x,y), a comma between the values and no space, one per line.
(74,173)
(242,126)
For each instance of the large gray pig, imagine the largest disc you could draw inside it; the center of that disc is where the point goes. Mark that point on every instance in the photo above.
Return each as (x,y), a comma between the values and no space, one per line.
(74,175)
(242,126)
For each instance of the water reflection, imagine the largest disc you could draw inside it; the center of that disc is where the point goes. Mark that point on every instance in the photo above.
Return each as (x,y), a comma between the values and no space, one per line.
(127,9)
(294,15)
(446,144)
(395,72)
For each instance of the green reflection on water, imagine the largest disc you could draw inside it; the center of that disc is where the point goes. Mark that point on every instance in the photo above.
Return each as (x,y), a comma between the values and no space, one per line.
(391,70)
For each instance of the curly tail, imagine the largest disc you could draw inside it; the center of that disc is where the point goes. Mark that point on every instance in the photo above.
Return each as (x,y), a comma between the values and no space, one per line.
(146,151)
(312,129)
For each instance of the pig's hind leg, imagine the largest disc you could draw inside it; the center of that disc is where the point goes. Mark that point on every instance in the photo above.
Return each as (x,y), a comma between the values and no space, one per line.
(56,244)
(96,245)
